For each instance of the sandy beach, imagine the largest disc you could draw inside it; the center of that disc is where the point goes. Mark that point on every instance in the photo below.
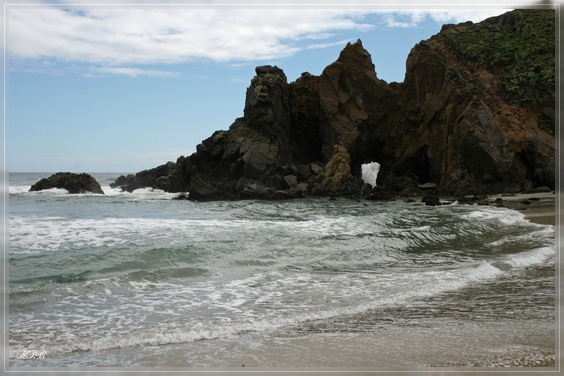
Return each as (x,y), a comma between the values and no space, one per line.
(537,207)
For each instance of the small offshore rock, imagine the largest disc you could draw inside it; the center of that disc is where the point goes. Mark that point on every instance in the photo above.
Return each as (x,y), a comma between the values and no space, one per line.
(73,183)
(431,200)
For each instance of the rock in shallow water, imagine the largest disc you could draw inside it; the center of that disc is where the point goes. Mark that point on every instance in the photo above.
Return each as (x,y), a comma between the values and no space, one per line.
(431,200)
(73,183)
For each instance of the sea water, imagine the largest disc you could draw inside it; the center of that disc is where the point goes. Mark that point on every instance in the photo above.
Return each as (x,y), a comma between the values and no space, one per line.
(141,280)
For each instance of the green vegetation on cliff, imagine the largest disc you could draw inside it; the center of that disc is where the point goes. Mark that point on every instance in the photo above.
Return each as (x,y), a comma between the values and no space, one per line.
(518,48)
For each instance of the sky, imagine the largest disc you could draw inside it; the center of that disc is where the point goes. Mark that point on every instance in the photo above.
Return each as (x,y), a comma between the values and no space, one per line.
(122,88)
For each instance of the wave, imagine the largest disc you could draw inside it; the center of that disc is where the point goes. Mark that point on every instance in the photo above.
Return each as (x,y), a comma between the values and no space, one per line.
(160,273)
(24,189)
(37,234)
(214,309)
(141,193)
(529,258)
(504,215)
(24,289)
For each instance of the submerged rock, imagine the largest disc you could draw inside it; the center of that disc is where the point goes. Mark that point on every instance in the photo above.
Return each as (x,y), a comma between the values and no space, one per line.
(73,183)
(380,195)
(431,200)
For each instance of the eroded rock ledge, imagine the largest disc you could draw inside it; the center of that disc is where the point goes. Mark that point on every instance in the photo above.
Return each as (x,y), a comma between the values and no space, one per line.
(469,118)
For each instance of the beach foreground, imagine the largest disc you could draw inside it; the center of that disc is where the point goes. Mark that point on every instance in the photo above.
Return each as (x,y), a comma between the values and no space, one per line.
(141,280)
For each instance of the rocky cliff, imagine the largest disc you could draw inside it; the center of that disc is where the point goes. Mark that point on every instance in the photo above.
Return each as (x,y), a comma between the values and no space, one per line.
(475,114)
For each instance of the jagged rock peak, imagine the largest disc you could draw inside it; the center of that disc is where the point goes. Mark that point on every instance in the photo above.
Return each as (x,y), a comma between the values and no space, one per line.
(356,54)
(269,69)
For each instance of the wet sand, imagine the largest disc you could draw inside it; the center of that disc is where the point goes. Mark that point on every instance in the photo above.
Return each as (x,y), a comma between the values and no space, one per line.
(537,207)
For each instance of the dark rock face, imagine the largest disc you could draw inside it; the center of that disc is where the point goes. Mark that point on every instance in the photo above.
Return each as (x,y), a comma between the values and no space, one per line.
(469,118)
(458,127)
(169,177)
(73,183)
(254,152)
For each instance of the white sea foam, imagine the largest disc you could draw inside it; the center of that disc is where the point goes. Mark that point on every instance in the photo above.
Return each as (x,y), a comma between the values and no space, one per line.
(43,234)
(109,191)
(528,258)
(51,191)
(208,310)
(138,194)
(141,194)
(483,214)
(506,216)
(532,238)
(19,189)
(370,172)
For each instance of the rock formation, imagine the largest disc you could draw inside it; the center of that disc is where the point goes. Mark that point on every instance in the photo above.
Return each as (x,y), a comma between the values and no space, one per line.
(475,114)
(73,183)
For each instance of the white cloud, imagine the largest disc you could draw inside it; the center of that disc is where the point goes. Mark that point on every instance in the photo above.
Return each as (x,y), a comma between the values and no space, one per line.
(134,72)
(413,17)
(114,39)
(463,15)
(41,70)
(156,36)
(325,45)
(390,21)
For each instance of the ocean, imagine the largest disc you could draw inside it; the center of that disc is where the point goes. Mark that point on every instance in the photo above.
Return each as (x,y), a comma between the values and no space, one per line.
(141,280)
